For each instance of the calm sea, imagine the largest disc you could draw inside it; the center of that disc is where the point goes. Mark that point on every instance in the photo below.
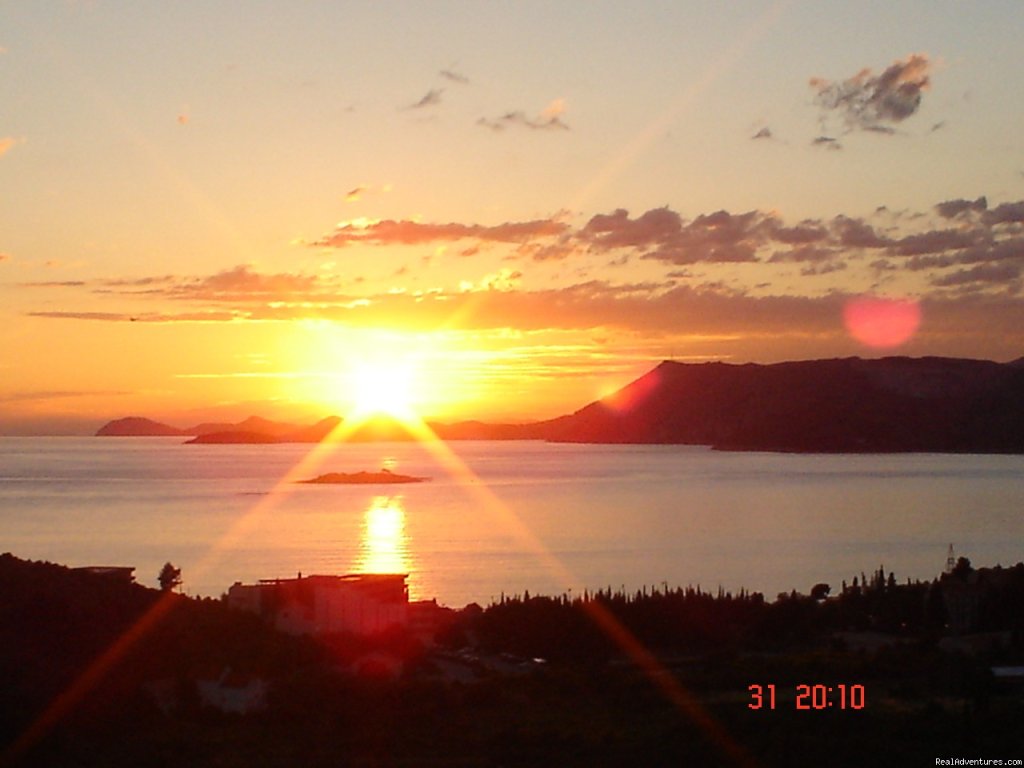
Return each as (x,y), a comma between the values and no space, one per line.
(506,517)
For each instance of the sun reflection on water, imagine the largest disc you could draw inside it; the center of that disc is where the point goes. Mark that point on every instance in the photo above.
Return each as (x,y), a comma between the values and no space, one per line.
(384,546)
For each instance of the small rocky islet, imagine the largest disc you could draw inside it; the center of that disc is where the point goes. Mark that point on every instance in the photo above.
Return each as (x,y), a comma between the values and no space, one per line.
(384,476)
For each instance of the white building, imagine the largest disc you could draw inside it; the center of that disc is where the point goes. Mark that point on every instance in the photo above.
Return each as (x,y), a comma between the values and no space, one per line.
(363,604)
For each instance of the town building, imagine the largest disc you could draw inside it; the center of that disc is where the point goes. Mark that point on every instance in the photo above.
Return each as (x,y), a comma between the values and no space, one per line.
(363,604)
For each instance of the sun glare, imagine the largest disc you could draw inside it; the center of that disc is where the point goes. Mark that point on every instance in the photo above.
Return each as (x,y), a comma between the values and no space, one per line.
(384,547)
(383,388)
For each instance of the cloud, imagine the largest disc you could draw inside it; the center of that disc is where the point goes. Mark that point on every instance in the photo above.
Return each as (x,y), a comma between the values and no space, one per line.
(998,274)
(827,142)
(650,307)
(549,119)
(950,209)
(764,133)
(662,234)
(855,233)
(557,251)
(964,258)
(430,99)
(210,316)
(239,285)
(454,77)
(389,232)
(360,191)
(56,284)
(805,232)
(1006,213)
(805,253)
(665,236)
(62,315)
(617,229)
(876,102)
(937,241)
(59,394)
(242,278)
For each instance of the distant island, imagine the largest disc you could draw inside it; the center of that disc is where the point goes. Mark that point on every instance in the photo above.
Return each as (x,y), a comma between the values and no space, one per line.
(136,426)
(385,476)
(848,405)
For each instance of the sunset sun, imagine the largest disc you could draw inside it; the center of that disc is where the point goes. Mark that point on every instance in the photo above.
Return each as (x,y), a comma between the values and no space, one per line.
(383,388)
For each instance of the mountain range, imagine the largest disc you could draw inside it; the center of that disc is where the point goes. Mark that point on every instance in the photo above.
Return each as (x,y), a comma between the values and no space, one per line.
(846,405)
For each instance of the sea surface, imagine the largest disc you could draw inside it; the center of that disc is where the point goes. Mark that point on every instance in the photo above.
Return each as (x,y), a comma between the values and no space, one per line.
(506,517)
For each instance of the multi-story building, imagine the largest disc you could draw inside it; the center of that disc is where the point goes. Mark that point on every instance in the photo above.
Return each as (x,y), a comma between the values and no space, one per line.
(363,604)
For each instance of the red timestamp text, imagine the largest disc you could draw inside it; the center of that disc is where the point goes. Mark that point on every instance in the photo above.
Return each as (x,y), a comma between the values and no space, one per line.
(811,696)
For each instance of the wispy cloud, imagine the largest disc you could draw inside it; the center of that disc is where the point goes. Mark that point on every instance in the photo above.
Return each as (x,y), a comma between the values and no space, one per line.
(55,284)
(359,192)
(455,77)
(430,99)
(971,272)
(146,317)
(57,394)
(549,119)
(871,102)
(406,232)
(1001,274)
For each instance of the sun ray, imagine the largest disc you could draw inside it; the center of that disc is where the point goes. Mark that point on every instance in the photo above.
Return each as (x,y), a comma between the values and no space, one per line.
(489,503)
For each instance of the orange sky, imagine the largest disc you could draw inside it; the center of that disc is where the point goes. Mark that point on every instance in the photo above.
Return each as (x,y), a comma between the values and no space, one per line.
(210,216)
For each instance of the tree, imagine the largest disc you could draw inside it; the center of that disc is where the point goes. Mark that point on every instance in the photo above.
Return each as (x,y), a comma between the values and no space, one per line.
(820,591)
(963,568)
(169,578)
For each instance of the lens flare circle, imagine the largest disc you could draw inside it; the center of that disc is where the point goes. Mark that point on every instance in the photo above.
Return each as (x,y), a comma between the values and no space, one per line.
(882,323)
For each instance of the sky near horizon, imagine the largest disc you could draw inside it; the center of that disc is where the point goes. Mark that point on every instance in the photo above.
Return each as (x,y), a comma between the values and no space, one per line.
(216,209)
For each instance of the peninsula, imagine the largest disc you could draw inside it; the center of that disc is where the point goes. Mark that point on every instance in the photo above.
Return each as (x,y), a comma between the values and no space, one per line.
(847,405)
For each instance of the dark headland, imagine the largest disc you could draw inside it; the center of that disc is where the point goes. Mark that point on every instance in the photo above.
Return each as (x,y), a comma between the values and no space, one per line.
(848,405)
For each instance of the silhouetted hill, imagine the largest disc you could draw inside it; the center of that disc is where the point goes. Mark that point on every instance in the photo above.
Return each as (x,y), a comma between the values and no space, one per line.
(845,405)
(840,405)
(252,425)
(233,437)
(239,434)
(478,430)
(314,433)
(136,426)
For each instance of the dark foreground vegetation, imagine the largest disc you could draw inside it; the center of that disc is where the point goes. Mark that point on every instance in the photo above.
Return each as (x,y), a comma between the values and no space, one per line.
(98,671)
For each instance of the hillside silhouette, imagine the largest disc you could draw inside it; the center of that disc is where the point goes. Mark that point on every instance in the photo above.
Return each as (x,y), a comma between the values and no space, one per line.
(844,405)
